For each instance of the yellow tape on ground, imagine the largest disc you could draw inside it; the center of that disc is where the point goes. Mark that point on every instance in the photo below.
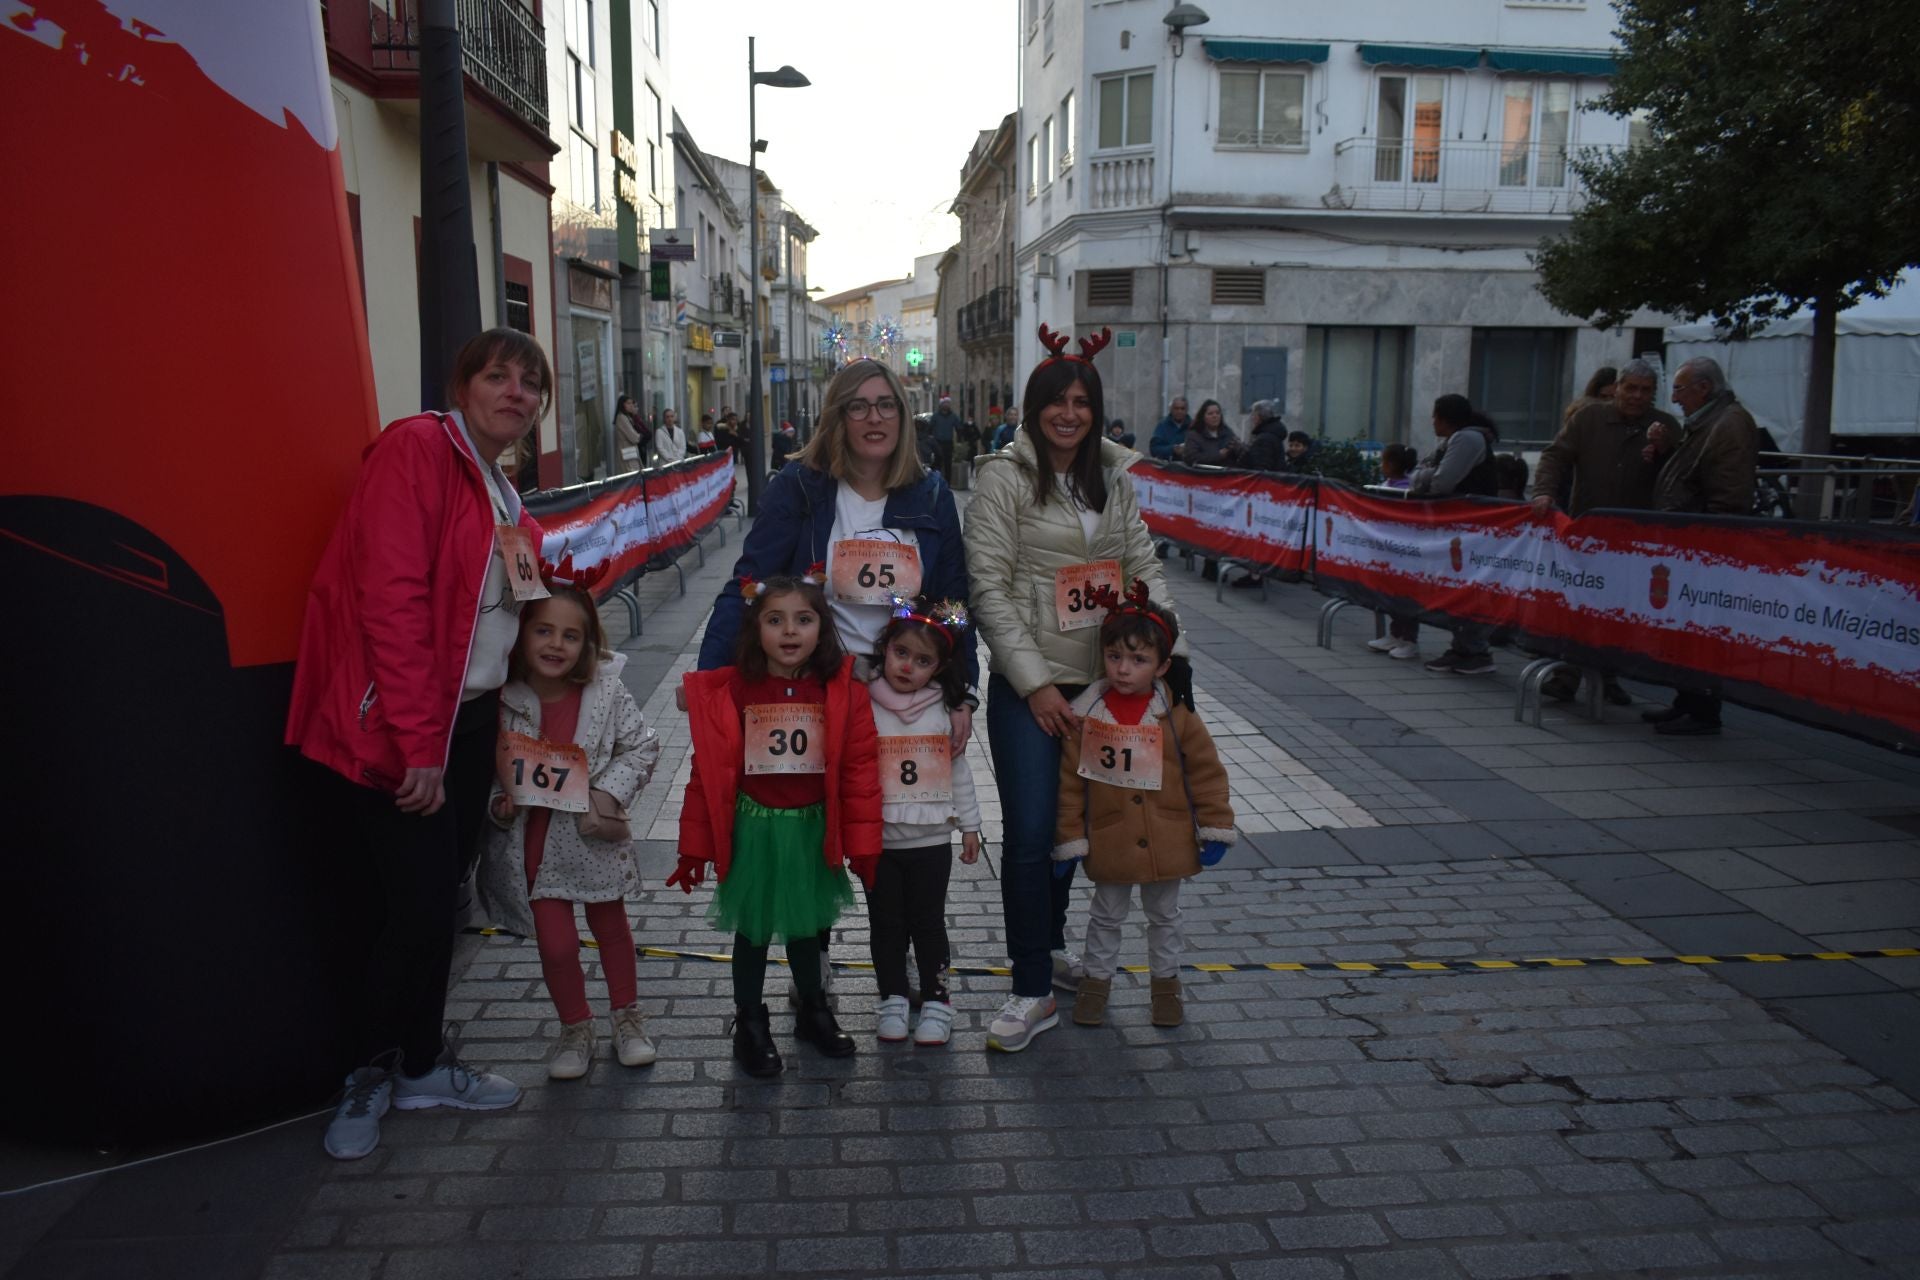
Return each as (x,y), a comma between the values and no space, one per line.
(1463,965)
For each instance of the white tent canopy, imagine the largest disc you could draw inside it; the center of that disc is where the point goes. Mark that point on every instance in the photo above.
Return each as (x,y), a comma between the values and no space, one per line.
(1876,367)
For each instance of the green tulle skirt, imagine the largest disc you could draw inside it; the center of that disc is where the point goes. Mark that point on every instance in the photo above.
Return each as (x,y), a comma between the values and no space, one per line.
(779,885)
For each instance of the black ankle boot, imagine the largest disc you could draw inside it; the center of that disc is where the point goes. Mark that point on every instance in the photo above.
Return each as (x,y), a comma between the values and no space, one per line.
(753,1042)
(814,1024)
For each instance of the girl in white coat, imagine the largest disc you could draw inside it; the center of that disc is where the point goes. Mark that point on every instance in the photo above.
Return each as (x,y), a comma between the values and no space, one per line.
(571,737)
(926,790)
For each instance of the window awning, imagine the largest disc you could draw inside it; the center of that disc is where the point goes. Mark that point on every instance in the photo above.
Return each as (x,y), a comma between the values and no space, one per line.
(1264,51)
(1551,62)
(1418,55)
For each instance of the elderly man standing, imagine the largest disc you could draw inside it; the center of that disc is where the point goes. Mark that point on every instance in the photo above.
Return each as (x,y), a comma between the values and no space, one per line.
(945,425)
(1602,451)
(1171,431)
(1710,468)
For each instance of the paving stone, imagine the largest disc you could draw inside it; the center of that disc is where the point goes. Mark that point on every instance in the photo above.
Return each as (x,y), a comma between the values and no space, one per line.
(1402,1264)
(1327,1231)
(838,1254)
(1518,1261)
(1051,1248)
(1445,1223)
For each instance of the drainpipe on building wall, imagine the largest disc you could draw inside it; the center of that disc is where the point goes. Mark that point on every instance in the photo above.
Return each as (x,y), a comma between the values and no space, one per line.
(499,247)
(449,283)
(1177,44)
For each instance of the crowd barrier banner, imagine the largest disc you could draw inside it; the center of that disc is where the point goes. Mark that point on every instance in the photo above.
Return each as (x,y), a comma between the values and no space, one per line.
(634,522)
(1258,518)
(1817,622)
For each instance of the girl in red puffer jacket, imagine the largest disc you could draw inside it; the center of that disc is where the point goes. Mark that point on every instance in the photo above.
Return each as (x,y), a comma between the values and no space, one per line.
(784,797)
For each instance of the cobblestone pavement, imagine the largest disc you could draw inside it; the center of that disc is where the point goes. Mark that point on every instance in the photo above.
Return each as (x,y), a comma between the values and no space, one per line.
(1623,1120)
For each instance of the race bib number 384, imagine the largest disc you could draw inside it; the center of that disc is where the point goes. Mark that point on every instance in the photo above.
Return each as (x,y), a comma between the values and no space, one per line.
(543,775)
(1122,755)
(785,737)
(1074,588)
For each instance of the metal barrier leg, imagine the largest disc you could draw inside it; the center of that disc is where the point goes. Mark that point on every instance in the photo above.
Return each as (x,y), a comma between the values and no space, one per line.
(682,575)
(1327,611)
(636,623)
(722,531)
(1596,686)
(1539,688)
(702,553)
(1528,688)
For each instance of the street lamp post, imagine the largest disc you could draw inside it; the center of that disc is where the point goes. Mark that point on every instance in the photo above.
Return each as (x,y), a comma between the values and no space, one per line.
(785,78)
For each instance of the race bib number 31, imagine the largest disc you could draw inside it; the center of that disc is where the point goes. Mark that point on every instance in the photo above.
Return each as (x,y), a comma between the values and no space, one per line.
(522,561)
(1121,755)
(786,737)
(915,769)
(1074,588)
(543,775)
(873,570)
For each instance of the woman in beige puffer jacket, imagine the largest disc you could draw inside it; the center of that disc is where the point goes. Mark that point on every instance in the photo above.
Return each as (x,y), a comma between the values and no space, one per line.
(1017,542)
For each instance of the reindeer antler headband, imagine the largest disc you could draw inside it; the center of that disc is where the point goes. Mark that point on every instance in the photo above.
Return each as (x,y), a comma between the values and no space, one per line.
(1136,602)
(1056,345)
(566,574)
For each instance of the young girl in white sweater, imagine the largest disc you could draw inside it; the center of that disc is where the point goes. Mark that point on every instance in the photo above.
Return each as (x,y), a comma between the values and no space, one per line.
(926,791)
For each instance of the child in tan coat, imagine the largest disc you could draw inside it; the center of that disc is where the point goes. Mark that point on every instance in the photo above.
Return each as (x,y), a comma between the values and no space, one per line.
(1143,799)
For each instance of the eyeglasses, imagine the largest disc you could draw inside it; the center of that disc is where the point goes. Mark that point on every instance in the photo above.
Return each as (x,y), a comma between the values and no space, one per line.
(885,406)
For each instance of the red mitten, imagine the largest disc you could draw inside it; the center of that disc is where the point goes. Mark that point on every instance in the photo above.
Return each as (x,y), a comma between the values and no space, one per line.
(692,871)
(866,869)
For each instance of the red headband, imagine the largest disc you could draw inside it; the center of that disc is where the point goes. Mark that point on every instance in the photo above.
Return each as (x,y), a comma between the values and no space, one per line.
(1056,344)
(565,574)
(1136,602)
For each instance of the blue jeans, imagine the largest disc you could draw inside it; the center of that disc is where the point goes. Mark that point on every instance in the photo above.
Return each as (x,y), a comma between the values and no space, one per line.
(1026,765)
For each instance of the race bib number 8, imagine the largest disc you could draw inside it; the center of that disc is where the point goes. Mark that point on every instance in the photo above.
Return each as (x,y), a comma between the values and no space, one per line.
(873,570)
(786,737)
(1121,755)
(1074,588)
(543,775)
(915,769)
(522,561)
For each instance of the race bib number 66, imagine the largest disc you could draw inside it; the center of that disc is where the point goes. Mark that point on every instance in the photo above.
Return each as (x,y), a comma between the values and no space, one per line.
(785,737)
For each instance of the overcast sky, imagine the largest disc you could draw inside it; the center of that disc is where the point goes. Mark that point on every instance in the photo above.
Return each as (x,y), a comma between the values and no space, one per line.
(870,154)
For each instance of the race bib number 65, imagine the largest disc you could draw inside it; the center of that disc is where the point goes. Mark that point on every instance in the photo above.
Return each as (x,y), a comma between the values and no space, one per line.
(786,737)
(1074,588)
(543,775)
(873,570)
(1121,755)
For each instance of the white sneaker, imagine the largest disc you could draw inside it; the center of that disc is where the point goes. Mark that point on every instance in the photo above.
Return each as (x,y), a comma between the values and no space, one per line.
(936,1023)
(1067,971)
(1384,644)
(1020,1019)
(1404,649)
(630,1041)
(890,1019)
(573,1052)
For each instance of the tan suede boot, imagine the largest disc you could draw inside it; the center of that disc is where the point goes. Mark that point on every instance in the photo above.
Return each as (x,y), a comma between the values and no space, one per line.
(1090,1001)
(1166,1003)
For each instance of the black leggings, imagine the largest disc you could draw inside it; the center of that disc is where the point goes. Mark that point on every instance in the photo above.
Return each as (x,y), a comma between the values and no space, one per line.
(415,864)
(908,903)
(750,969)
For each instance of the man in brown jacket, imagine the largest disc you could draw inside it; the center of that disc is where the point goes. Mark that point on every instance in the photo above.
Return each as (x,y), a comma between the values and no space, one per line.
(1602,452)
(1711,468)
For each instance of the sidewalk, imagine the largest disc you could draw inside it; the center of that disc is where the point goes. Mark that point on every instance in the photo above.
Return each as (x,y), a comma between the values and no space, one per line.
(1657,1120)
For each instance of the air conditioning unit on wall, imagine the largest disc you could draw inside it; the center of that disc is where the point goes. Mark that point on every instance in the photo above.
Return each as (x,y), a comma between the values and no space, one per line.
(1043,267)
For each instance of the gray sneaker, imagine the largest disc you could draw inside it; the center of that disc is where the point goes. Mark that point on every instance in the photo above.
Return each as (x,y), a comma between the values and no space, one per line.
(452,1083)
(355,1129)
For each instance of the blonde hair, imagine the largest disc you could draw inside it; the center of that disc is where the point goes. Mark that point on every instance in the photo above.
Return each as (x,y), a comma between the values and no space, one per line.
(827,451)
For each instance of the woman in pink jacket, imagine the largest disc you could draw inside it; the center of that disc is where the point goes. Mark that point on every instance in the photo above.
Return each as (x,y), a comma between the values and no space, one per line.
(413,611)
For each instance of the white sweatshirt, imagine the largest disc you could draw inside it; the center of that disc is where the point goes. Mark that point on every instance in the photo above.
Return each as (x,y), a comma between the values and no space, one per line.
(914,826)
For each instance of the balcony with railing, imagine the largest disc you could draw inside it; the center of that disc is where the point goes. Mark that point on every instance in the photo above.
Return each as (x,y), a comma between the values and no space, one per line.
(1122,182)
(503,52)
(987,317)
(1414,176)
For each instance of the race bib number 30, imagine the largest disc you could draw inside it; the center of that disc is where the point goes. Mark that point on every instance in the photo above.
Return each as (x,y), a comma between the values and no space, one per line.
(873,570)
(543,775)
(1074,588)
(522,561)
(1121,755)
(786,737)
(917,768)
